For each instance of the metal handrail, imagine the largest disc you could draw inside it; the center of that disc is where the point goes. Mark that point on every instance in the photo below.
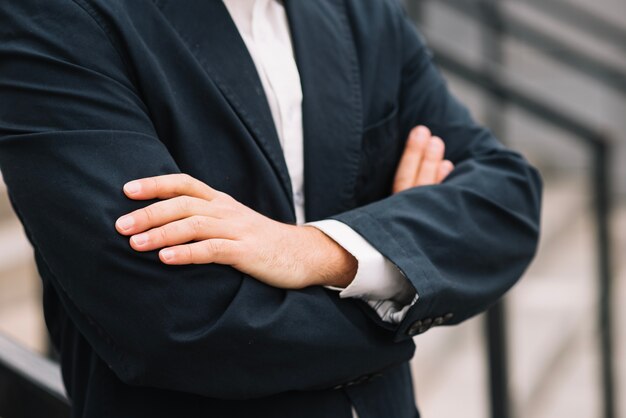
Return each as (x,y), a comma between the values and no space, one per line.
(30,385)
(488,14)
(497,83)
(542,42)
(494,83)
(584,20)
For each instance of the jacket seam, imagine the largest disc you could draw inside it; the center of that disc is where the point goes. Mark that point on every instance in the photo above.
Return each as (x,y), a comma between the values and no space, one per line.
(93,14)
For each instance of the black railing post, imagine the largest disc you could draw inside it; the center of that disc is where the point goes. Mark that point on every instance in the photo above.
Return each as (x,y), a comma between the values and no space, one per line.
(602,207)
(494,63)
(499,396)
(602,187)
(495,109)
(495,83)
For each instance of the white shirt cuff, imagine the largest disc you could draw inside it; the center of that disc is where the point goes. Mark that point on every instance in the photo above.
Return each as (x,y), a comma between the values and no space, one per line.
(378,281)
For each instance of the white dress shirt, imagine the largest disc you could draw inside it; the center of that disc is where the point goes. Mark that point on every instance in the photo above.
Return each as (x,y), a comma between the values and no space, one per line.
(264,29)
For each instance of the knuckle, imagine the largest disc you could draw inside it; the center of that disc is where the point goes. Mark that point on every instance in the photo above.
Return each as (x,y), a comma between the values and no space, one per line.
(149,214)
(186,181)
(221,209)
(156,184)
(224,197)
(184,204)
(215,247)
(197,224)
(189,254)
(163,234)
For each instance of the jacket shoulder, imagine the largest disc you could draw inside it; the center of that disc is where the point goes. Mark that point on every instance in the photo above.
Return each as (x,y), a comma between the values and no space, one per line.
(375,12)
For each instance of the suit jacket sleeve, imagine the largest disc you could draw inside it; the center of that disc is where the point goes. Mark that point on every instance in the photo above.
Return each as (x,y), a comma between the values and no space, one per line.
(73,130)
(464,242)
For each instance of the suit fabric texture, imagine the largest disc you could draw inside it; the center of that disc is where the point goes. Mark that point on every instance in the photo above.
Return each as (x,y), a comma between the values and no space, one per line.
(94,93)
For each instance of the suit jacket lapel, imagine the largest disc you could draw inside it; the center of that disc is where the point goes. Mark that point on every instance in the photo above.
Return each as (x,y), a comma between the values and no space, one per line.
(211,35)
(329,72)
(332,106)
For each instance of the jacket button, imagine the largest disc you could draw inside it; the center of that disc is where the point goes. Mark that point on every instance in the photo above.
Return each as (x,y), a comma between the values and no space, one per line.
(414,328)
(438,321)
(448,317)
(426,324)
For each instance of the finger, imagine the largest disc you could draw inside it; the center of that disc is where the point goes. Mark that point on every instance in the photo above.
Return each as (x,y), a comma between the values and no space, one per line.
(445,168)
(194,228)
(168,186)
(411,159)
(432,159)
(163,212)
(221,251)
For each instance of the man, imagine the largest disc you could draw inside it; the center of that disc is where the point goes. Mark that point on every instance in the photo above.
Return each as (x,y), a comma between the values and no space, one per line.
(204,294)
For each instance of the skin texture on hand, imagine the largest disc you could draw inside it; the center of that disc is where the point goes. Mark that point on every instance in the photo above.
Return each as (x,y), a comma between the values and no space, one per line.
(193,223)
(196,224)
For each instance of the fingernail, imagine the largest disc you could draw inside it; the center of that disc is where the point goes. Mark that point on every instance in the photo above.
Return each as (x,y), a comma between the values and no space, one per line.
(422,132)
(140,239)
(132,187)
(434,145)
(168,255)
(126,222)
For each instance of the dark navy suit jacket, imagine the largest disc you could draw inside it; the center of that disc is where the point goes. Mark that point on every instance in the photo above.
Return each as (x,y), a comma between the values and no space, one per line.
(94,93)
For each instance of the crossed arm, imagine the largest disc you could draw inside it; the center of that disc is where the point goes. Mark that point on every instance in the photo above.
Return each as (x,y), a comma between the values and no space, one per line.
(71,127)
(196,224)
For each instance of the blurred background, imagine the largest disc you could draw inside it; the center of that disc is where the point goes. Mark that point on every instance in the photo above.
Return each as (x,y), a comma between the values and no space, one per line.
(549,77)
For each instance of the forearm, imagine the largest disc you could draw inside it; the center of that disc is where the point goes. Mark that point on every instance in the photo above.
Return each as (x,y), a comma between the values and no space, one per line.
(462,244)
(174,327)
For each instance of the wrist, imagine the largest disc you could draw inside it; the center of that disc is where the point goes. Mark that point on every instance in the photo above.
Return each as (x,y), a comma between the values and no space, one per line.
(331,264)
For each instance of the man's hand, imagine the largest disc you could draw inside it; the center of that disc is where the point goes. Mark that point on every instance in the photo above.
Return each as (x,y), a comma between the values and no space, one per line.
(422,162)
(196,224)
